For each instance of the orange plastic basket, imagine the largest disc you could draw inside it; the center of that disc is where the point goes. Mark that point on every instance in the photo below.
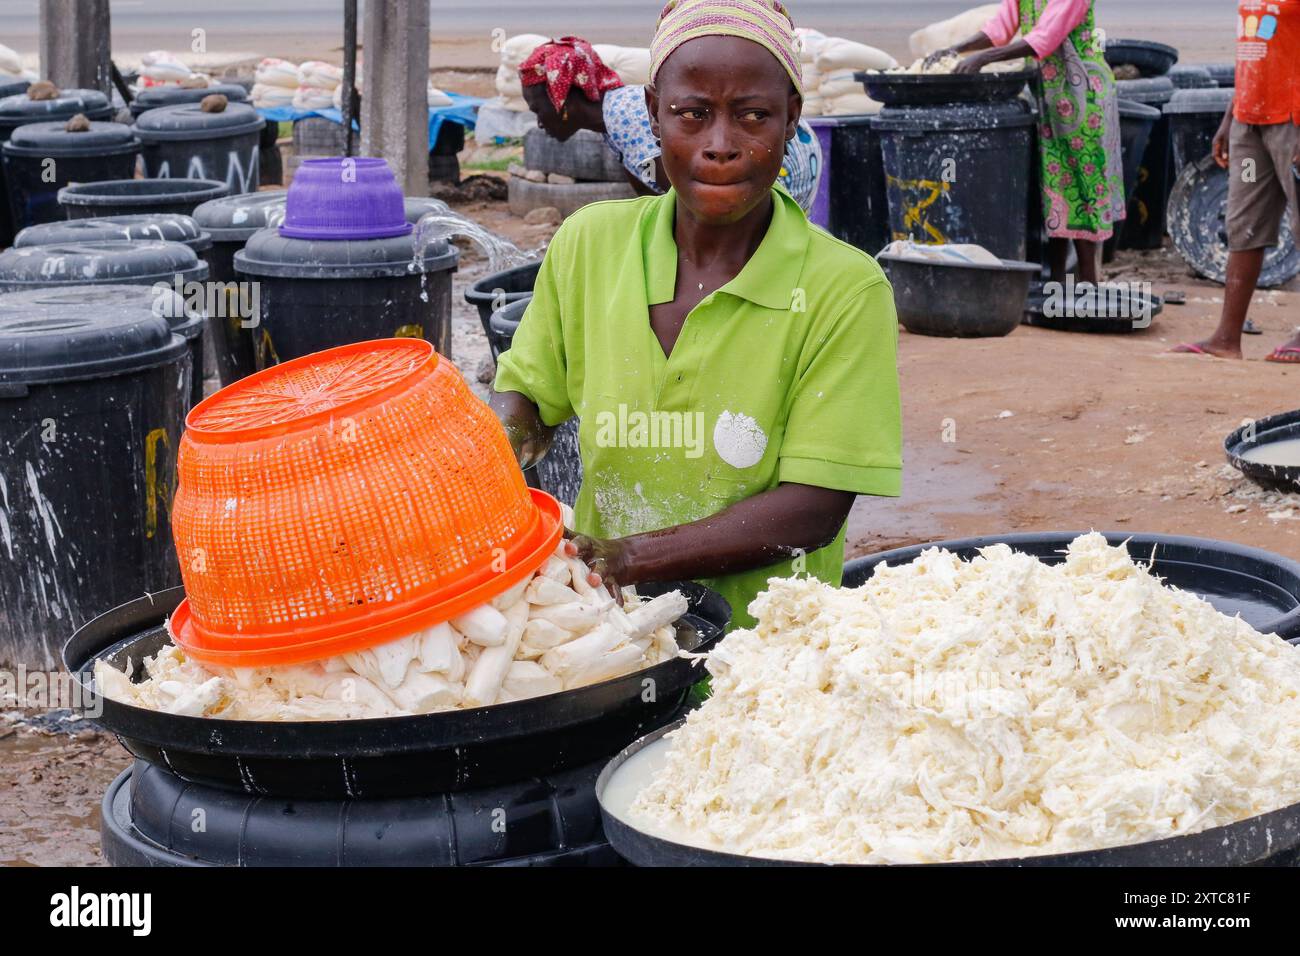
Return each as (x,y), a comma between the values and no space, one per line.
(346,499)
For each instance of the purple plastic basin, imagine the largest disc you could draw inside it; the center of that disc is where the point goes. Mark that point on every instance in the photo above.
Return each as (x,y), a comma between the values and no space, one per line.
(344,198)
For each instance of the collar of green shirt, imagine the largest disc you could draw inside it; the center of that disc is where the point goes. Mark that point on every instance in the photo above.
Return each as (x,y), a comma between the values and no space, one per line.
(768,278)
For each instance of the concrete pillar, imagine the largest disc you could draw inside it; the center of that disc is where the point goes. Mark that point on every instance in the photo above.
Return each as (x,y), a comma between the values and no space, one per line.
(75,44)
(394,98)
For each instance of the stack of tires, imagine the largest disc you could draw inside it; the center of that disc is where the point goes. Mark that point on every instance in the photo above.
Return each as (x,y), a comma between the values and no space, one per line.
(565,175)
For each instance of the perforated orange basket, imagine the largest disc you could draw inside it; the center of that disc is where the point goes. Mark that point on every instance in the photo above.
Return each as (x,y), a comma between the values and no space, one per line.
(342,500)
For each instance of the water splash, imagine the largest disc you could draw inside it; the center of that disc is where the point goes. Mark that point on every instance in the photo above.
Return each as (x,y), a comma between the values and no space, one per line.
(436,224)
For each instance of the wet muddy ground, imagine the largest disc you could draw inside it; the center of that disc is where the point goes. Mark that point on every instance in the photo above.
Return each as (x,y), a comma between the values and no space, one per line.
(50,791)
(1040,430)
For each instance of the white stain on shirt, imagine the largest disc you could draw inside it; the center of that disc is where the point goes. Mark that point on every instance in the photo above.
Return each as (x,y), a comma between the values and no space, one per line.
(738,440)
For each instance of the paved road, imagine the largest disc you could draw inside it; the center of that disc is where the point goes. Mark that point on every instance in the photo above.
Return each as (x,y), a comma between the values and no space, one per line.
(257,24)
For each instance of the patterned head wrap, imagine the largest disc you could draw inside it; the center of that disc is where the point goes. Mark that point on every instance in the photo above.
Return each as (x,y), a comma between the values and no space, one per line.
(565,63)
(766,22)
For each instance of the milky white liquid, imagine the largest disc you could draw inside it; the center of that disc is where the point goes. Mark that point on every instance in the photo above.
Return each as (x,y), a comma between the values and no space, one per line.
(630,779)
(1286,453)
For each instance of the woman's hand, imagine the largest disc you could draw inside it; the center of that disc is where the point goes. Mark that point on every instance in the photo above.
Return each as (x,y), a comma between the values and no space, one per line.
(938,55)
(971,64)
(607,557)
(529,438)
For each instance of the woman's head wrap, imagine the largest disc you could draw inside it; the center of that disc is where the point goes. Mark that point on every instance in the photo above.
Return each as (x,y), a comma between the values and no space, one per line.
(766,22)
(565,63)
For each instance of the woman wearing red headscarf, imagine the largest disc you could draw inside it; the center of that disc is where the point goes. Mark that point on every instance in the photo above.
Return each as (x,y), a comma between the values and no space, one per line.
(569,88)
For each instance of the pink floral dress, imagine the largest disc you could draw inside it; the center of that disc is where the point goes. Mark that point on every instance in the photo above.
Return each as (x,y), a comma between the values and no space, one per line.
(1078,115)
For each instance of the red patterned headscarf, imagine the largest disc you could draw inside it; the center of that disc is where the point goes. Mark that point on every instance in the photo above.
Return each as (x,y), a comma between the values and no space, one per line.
(565,63)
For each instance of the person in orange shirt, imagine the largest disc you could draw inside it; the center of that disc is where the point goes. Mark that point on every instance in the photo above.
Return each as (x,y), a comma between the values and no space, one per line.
(1259,144)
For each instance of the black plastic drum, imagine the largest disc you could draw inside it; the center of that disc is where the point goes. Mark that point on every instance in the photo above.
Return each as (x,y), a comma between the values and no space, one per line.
(316,294)
(92,403)
(959,173)
(184,142)
(153,818)
(42,158)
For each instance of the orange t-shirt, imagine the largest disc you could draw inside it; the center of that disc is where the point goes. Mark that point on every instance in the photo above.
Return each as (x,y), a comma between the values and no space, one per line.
(1268,61)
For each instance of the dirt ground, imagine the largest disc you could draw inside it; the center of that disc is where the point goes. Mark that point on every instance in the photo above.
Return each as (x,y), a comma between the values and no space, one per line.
(50,791)
(1046,430)
(1040,430)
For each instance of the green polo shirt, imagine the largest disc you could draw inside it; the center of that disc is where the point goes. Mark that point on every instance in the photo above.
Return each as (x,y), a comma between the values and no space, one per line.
(785,374)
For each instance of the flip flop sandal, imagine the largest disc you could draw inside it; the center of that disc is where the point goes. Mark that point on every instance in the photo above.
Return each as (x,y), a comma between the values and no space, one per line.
(1279,355)
(1251,329)
(1186,348)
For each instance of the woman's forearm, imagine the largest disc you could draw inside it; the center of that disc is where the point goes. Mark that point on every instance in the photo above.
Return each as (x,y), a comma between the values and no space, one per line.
(1015,50)
(772,526)
(529,436)
(979,41)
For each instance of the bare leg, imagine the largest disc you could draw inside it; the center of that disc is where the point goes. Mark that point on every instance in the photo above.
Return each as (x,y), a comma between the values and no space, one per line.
(1058,253)
(1243,274)
(1088,252)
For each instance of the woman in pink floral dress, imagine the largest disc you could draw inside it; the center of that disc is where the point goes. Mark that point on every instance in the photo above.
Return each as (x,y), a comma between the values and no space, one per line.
(1078,117)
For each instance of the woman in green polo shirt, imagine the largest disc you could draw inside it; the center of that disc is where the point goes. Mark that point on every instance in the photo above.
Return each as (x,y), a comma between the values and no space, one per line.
(733,367)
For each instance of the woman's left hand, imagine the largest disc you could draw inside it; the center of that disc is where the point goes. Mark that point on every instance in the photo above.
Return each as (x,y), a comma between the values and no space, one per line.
(607,558)
(972,64)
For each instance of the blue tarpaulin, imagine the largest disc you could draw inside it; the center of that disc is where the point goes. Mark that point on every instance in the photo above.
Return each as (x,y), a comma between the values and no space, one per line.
(462,110)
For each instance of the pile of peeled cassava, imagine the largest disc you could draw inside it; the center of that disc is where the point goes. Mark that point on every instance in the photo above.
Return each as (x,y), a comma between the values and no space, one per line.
(551,632)
(948,64)
(1001,707)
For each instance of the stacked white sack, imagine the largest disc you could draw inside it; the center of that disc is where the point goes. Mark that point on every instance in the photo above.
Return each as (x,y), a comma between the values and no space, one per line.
(514,51)
(275,83)
(434,96)
(276,72)
(950,32)
(631,63)
(807,41)
(312,98)
(550,632)
(319,74)
(830,62)
(266,96)
(160,68)
(317,81)
(11,65)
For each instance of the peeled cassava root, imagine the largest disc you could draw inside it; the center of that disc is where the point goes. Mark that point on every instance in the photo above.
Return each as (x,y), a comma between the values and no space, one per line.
(550,632)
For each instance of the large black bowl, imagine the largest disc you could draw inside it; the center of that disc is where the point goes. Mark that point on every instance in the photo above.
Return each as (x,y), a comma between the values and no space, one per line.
(388,756)
(918,89)
(958,299)
(1271,839)
(1274,428)
(1150,58)
(1118,309)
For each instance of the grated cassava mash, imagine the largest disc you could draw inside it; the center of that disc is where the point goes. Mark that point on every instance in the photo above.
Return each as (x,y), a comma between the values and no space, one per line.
(1001,707)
